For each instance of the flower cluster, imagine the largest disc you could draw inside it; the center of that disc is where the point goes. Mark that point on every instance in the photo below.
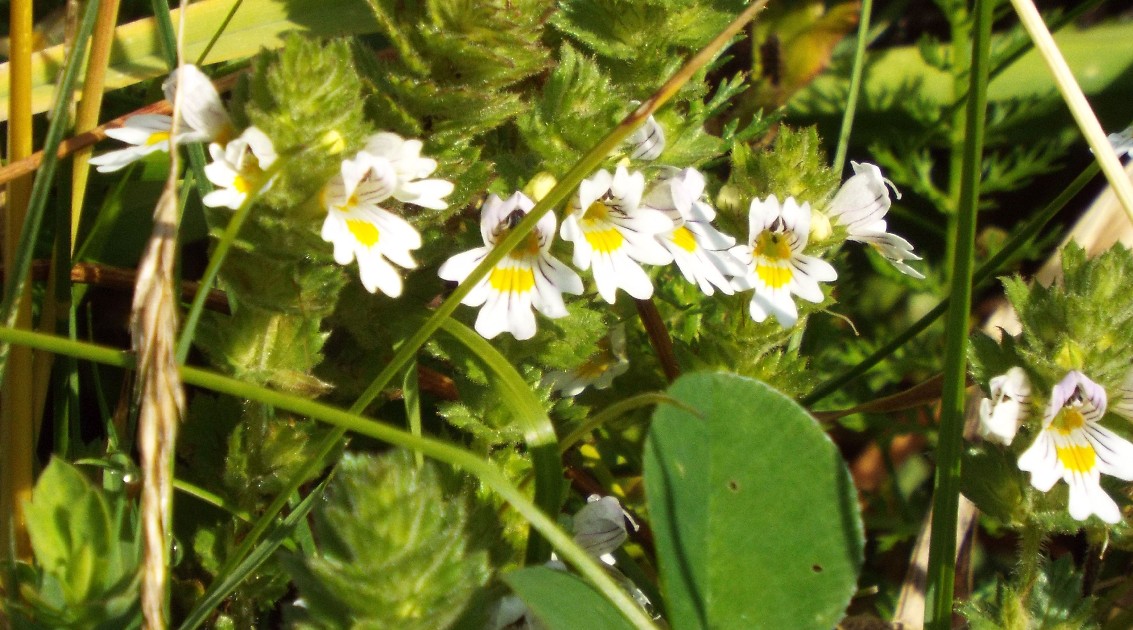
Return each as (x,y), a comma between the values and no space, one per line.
(356,225)
(617,222)
(1071,444)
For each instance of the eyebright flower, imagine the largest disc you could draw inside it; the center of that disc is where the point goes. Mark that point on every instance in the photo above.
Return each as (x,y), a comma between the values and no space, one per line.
(1000,415)
(1074,447)
(860,205)
(527,277)
(397,160)
(599,370)
(775,265)
(600,527)
(238,168)
(647,142)
(612,232)
(699,249)
(203,119)
(201,109)
(360,228)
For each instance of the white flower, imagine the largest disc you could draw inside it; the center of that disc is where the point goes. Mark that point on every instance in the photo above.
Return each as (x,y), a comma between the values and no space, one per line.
(860,205)
(699,249)
(599,370)
(1000,415)
(1072,446)
(201,109)
(1122,142)
(359,228)
(776,267)
(612,233)
(600,527)
(399,161)
(527,277)
(238,168)
(647,141)
(203,119)
(146,132)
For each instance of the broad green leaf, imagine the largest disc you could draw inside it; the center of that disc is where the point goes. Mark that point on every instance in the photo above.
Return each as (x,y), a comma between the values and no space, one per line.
(137,55)
(87,552)
(70,527)
(561,601)
(755,519)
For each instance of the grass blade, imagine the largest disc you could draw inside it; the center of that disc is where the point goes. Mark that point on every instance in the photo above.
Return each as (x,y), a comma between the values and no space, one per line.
(942,549)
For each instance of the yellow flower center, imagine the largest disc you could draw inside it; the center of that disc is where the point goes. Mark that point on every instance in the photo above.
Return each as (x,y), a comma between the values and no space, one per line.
(597,211)
(157,136)
(684,239)
(773,245)
(1078,459)
(363,231)
(509,279)
(241,184)
(1068,420)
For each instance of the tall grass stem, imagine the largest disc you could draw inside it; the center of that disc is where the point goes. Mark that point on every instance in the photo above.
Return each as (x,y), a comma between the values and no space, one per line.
(942,547)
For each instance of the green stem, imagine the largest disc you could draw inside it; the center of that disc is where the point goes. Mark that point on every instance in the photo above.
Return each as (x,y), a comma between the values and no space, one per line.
(16,276)
(855,87)
(616,411)
(982,275)
(959,22)
(484,470)
(411,396)
(942,547)
(217,259)
(1030,554)
(219,31)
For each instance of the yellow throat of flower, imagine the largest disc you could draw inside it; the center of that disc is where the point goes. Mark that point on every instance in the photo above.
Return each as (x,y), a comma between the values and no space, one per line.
(1068,420)
(773,245)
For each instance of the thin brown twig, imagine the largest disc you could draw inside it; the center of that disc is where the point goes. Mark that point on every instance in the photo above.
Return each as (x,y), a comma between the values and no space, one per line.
(122,279)
(659,338)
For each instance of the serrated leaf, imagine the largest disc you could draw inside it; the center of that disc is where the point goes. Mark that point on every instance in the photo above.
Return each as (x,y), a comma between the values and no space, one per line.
(394,548)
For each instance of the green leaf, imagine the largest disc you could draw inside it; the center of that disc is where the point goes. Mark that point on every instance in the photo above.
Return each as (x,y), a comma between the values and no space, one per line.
(69,524)
(87,551)
(563,602)
(1056,601)
(396,548)
(756,521)
(137,53)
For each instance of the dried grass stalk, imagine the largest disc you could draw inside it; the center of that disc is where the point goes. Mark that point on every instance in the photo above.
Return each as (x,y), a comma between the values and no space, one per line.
(153,327)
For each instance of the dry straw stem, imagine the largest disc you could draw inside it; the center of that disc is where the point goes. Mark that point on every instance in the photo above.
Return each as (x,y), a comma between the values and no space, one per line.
(154,331)
(17,424)
(86,117)
(1076,101)
(153,328)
